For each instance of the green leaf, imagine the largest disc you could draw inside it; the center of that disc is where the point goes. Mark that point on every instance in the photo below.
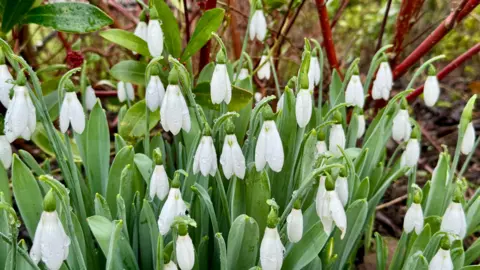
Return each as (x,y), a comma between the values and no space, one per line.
(27,195)
(133,123)
(240,97)
(473,252)
(169,27)
(144,165)
(202,193)
(102,230)
(5,229)
(101,207)
(243,240)
(473,216)
(222,250)
(382,252)
(241,123)
(422,241)
(307,249)
(257,192)
(69,17)
(5,186)
(127,40)
(98,150)
(130,71)
(362,190)
(148,231)
(437,196)
(208,23)
(458,257)
(40,138)
(13,13)
(31,162)
(417,261)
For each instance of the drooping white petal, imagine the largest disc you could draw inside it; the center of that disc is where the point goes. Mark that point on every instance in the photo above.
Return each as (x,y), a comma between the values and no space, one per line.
(170,266)
(185,252)
(154,93)
(238,159)
(258,96)
(441,261)
(411,154)
(186,124)
(337,212)
(121,91)
(220,86)
(159,183)
(172,109)
(226,159)
(454,220)
(361,126)
(336,140)
(260,149)
(264,72)
(431,91)
(90,98)
(468,139)
(295,225)
(242,75)
(401,128)
(354,93)
(32,119)
(206,157)
(383,82)
(141,30)
(313,73)
(303,107)
(321,148)
(155,38)
(4,85)
(258,26)
(252,31)
(271,250)
(413,219)
(130,91)
(18,115)
(174,206)
(274,148)
(72,113)
(232,159)
(341,187)
(5,152)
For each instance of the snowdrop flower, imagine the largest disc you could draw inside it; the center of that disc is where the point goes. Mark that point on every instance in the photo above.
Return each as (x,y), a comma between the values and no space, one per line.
(295,223)
(383,82)
(159,180)
(269,148)
(205,159)
(354,93)
(258,24)
(154,93)
(5,152)
(5,86)
(50,243)
(21,118)
(401,127)
(341,187)
(431,91)
(271,248)
(361,125)
(170,266)
(232,159)
(442,259)
(468,139)
(303,107)
(313,72)
(411,154)
(329,207)
(220,86)
(454,220)
(174,206)
(125,91)
(264,72)
(321,147)
(72,113)
(184,249)
(90,98)
(414,216)
(242,75)
(258,96)
(155,36)
(174,114)
(141,30)
(336,140)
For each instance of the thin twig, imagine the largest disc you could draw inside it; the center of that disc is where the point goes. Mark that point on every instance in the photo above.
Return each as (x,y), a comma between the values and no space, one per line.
(339,13)
(384,23)
(392,202)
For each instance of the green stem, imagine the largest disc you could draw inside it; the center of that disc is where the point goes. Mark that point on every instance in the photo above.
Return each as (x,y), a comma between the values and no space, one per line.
(467,160)
(21,251)
(244,46)
(421,68)
(223,197)
(376,60)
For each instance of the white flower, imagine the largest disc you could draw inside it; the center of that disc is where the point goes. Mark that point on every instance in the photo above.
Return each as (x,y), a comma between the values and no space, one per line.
(413,219)
(242,75)
(313,73)
(21,117)
(341,187)
(454,220)
(361,126)
(232,159)
(72,113)
(441,261)
(303,107)
(257,96)
(154,93)
(141,30)
(280,102)
(155,38)
(383,82)
(185,252)
(4,85)
(271,250)
(90,98)
(159,183)
(205,159)
(220,86)
(174,114)
(330,209)
(468,139)
(411,154)
(336,140)
(174,206)
(51,243)
(124,91)
(5,152)
(354,94)
(258,26)
(269,148)
(401,128)
(431,91)
(170,266)
(321,148)
(295,225)
(264,71)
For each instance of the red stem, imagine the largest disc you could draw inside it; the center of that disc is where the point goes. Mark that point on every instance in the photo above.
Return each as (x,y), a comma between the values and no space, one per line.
(187,22)
(205,51)
(64,41)
(441,31)
(447,69)
(237,46)
(327,35)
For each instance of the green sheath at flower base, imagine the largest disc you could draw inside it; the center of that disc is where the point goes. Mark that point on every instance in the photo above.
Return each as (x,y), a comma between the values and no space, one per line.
(329,183)
(206,130)
(304,80)
(173,76)
(297,204)
(258,5)
(415,133)
(155,70)
(143,17)
(404,104)
(182,229)
(431,70)
(417,195)
(157,156)
(291,82)
(321,135)
(49,202)
(176,181)
(221,57)
(267,113)
(229,127)
(337,117)
(69,86)
(21,79)
(272,219)
(458,193)
(2,57)
(153,14)
(343,172)
(356,71)
(467,113)
(445,243)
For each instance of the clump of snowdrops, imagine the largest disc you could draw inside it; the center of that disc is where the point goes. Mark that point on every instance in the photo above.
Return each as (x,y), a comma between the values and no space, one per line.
(221,185)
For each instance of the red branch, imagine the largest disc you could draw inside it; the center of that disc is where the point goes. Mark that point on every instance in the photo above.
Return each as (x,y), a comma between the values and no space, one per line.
(205,51)
(441,31)
(237,46)
(447,69)
(327,35)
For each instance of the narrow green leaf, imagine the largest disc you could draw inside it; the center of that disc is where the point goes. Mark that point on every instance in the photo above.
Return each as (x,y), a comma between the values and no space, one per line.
(121,160)
(148,233)
(382,252)
(101,207)
(130,71)
(31,162)
(473,252)
(127,40)
(202,193)
(240,97)
(112,247)
(223,251)
(133,123)
(243,240)
(5,186)
(14,12)
(257,192)
(170,28)
(437,197)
